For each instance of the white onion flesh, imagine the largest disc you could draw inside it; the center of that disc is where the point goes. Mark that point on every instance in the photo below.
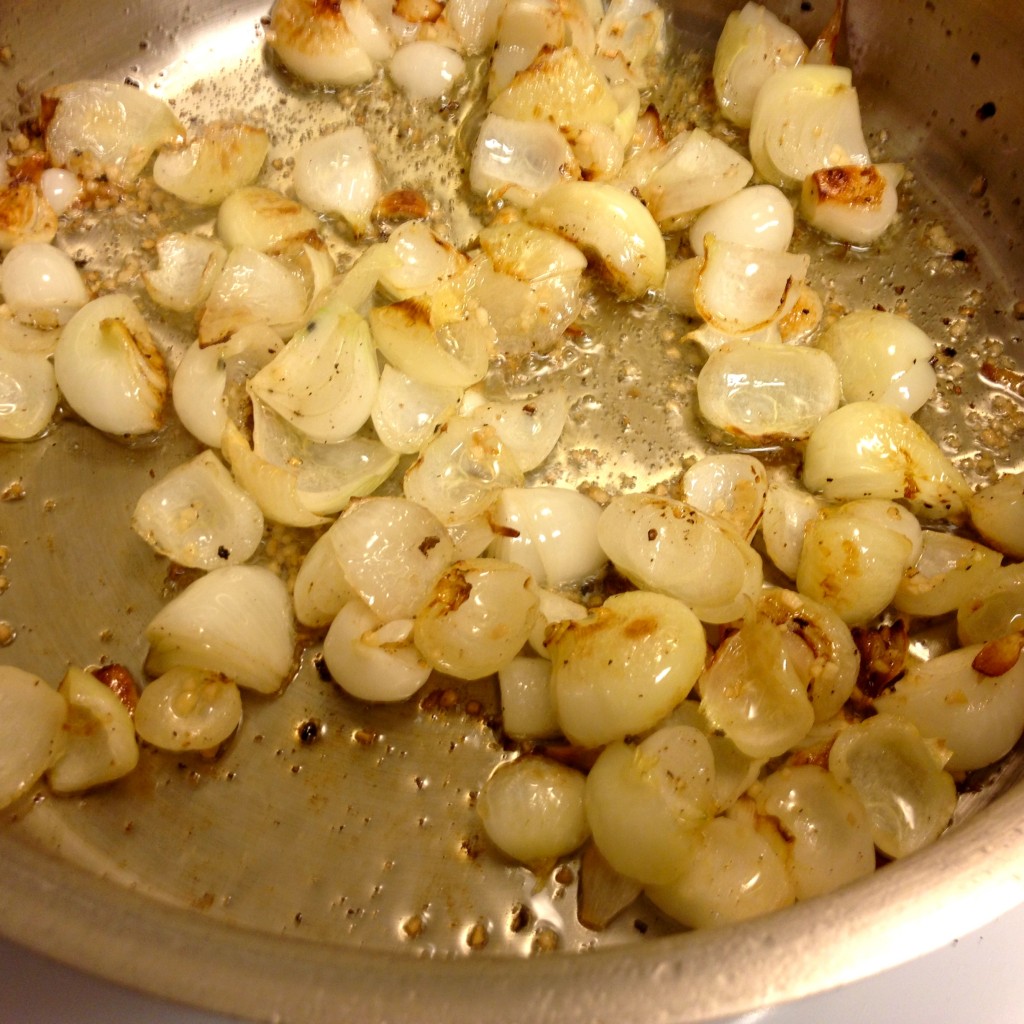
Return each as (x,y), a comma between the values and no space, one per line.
(908,797)
(199,517)
(422,261)
(997,513)
(854,204)
(979,715)
(99,736)
(25,216)
(314,42)
(61,189)
(730,487)
(390,551)
(188,708)
(32,717)
(759,216)
(871,450)
(338,174)
(624,667)
(551,531)
(260,218)
(996,607)
(752,45)
(324,380)
(476,617)
(109,368)
(371,659)
(881,357)
(116,126)
(426,70)
(41,284)
(804,119)
(235,621)
(222,157)
(532,810)
(529,428)
(527,701)
(406,412)
(28,394)
(188,266)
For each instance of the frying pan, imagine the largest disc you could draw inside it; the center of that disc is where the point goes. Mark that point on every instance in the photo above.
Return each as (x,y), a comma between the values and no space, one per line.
(346,879)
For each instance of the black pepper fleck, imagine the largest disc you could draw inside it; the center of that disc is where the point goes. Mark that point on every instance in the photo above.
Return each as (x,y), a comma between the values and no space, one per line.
(985,111)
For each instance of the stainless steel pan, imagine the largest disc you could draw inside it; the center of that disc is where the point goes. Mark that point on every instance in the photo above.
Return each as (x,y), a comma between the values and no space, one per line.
(340,880)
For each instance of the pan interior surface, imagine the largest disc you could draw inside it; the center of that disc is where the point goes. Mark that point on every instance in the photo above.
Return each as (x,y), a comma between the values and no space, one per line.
(313,880)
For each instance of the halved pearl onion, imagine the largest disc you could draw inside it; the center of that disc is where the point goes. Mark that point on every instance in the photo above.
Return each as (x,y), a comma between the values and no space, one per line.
(854,204)
(551,531)
(529,428)
(665,545)
(734,772)
(788,508)
(41,284)
(732,873)
(426,70)
(614,230)
(530,285)
(320,589)
(819,643)
(741,289)
(753,690)
(32,717)
(525,28)
(338,174)
(881,357)
(274,487)
(425,339)
(753,45)
(996,607)
(188,708)
(188,265)
(61,188)
(200,386)
(563,87)
(870,450)
(633,30)
(109,368)
(476,618)
(680,281)
(527,701)
(806,118)
(620,670)
(853,564)
(532,810)
(519,160)
(314,42)
(25,339)
(759,216)
(261,218)
(997,513)
(696,171)
(117,127)
(28,394)
(390,551)
(406,412)
(826,825)
(946,575)
(235,621)
(324,380)
(100,743)
(371,659)
(422,261)
(25,216)
(198,516)
(222,156)
(475,22)
(325,477)
(908,796)
(554,607)
(971,698)
(461,472)
(891,515)
(370,23)
(252,288)
(645,802)
(730,487)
